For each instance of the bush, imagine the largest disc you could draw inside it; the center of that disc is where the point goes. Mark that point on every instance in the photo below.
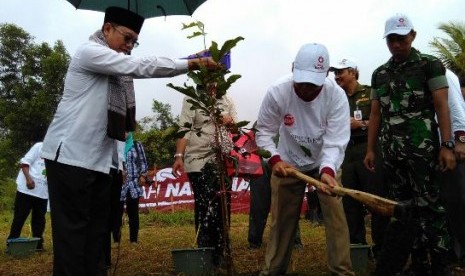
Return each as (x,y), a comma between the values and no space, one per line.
(7,194)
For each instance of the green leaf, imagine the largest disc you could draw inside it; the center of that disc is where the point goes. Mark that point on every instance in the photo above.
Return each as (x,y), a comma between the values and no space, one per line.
(215,52)
(229,44)
(190,25)
(306,151)
(194,34)
(241,124)
(263,153)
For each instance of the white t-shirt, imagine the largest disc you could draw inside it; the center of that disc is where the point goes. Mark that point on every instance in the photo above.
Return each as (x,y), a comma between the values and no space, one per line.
(37,172)
(311,134)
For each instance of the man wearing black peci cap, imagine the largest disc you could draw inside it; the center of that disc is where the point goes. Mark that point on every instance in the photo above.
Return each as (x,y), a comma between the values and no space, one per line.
(97,107)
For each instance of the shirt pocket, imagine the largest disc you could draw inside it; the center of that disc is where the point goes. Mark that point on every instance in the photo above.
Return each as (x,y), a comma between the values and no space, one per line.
(364,105)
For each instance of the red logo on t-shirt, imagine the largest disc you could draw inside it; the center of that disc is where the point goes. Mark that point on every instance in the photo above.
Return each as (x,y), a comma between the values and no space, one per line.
(289,119)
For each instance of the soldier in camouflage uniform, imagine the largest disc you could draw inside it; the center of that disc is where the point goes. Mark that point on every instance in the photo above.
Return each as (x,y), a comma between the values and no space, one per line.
(354,174)
(407,91)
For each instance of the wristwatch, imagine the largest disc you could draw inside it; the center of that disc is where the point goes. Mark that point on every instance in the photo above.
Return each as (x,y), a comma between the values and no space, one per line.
(448,145)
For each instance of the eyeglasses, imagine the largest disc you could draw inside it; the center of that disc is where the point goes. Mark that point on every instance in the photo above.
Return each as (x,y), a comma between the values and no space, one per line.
(127,37)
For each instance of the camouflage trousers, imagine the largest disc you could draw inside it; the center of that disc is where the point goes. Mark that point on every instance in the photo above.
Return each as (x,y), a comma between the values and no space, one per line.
(422,229)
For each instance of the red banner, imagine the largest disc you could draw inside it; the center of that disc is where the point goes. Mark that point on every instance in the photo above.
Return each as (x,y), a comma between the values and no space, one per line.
(170,193)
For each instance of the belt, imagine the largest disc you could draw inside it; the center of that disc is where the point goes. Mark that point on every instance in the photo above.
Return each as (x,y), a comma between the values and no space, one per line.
(357,140)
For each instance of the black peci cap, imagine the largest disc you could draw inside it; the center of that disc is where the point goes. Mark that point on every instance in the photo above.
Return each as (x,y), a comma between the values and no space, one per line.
(124,17)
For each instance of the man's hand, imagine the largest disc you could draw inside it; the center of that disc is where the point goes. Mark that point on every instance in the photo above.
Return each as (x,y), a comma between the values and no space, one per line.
(446,159)
(355,124)
(279,169)
(459,151)
(30,184)
(369,161)
(142,180)
(178,167)
(207,62)
(227,120)
(330,181)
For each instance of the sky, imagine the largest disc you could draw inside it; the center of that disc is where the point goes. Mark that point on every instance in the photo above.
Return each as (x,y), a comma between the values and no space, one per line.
(273,32)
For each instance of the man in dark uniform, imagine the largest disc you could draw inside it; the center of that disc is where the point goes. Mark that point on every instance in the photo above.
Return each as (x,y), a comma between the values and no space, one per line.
(354,174)
(407,91)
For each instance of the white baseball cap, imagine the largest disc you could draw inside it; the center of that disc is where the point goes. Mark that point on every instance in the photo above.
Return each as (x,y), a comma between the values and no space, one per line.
(345,63)
(398,24)
(311,64)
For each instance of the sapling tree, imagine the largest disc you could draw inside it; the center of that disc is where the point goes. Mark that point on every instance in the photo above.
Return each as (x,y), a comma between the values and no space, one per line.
(209,86)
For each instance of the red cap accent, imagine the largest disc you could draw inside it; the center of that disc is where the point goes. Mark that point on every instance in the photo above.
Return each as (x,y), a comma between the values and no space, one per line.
(327,170)
(274,159)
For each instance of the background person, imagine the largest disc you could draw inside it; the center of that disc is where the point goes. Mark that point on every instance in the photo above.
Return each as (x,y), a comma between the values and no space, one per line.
(203,173)
(31,196)
(310,113)
(131,191)
(97,107)
(453,185)
(354,173)
(313,213)
(407,91)
(462,85)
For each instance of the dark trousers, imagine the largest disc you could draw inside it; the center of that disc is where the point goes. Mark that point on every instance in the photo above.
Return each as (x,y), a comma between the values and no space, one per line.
(260,200)
(208,210)
(314,212)
(132,210)
(115,213)
(24,204)
(356,176)
(80,208)
(453,199)
(421,229)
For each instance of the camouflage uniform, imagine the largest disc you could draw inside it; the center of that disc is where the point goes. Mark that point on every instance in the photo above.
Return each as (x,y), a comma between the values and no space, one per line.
(356,176)
(410,146)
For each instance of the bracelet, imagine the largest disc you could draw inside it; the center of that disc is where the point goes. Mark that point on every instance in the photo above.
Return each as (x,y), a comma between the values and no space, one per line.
(176,155)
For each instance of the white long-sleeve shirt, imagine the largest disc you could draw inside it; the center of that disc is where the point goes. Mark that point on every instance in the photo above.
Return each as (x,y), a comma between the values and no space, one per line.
(322,126)
(79,126)
(456,103)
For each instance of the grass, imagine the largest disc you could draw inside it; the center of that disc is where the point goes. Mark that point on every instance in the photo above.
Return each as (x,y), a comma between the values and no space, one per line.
(159,234)
(162,232)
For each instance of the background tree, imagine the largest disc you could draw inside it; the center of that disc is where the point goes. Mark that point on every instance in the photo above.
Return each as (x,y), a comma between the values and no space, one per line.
(31,85)
(162,119)
(451,50)
(159,147)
